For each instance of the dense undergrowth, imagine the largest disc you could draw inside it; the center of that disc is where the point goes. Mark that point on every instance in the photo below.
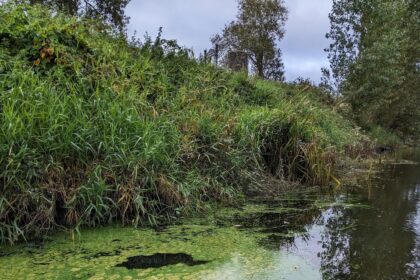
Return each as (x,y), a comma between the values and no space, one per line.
(97,129)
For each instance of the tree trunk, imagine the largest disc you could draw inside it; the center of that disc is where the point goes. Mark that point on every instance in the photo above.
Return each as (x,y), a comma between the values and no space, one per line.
(259,63)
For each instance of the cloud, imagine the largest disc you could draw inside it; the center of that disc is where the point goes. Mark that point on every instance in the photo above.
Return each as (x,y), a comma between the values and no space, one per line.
(304,43)
(193,22)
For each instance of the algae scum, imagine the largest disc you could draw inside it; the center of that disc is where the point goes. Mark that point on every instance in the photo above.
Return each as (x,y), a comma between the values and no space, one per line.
(356,233)
(232,244)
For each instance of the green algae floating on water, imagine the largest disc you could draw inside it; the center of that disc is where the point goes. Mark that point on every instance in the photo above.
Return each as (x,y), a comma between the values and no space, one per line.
(229,245)
(229,254)
(232,243)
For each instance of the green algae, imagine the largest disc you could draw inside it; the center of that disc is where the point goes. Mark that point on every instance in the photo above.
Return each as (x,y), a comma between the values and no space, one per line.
(228,244)
(341,204)
(230,254)
(241,242)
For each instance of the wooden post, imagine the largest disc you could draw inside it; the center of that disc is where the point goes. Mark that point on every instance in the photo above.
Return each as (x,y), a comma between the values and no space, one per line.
(216,54)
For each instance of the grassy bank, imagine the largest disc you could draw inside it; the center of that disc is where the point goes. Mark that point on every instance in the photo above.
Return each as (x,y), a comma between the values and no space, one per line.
(95,129)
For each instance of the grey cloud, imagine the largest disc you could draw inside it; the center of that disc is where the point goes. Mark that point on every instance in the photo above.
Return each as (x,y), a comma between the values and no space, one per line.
(191,22)
(304,43)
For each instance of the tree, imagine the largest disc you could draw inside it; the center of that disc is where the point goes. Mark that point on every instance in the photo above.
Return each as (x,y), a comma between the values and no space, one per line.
(111,11)
(258,29)
(374,61)
(345,34)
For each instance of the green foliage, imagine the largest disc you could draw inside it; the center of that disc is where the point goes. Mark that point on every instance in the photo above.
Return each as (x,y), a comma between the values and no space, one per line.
(257,31)
(109,11)
(374,60)
(95,129)
(383,137)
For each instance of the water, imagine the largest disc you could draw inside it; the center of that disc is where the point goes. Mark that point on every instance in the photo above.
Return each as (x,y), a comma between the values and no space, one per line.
(370,231)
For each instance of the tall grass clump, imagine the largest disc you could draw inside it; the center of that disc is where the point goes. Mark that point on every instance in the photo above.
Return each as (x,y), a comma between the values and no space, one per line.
(97,129)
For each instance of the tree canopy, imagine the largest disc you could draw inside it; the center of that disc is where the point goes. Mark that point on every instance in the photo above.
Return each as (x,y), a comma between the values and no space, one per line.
(374,58)
(111,11)
(257,30)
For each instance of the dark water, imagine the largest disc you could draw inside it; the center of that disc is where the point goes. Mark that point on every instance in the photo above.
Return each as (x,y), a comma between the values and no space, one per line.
(366,230)
(159,260)
(380,241)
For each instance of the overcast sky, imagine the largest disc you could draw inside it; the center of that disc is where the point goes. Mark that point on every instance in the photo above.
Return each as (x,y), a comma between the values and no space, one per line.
(193,22)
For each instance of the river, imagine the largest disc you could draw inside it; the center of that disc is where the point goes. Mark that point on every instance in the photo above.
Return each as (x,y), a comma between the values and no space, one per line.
(368,231)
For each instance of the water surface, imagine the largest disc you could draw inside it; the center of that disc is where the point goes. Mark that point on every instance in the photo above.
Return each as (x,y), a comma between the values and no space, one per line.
(370,231)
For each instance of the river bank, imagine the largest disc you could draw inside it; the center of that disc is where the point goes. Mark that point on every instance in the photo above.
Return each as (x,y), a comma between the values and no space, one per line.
(99,129)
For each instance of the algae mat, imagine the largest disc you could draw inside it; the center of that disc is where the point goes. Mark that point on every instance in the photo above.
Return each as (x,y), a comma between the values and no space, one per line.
(177,252)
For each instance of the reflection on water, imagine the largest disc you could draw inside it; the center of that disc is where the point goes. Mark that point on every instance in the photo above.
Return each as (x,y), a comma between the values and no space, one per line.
(361,233)
(371,233)
(379,242)
(413,223)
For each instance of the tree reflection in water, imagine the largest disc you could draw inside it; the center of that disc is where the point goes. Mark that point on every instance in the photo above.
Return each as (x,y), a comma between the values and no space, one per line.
(381,241)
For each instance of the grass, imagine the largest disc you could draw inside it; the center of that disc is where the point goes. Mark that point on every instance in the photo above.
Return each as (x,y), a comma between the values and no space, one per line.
(384,137)
(95,128)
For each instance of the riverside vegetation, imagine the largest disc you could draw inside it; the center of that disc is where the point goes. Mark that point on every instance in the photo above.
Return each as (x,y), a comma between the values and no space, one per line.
(96,129)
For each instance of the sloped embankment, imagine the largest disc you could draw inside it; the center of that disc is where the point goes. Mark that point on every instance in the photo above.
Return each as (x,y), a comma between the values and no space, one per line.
(95,129)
